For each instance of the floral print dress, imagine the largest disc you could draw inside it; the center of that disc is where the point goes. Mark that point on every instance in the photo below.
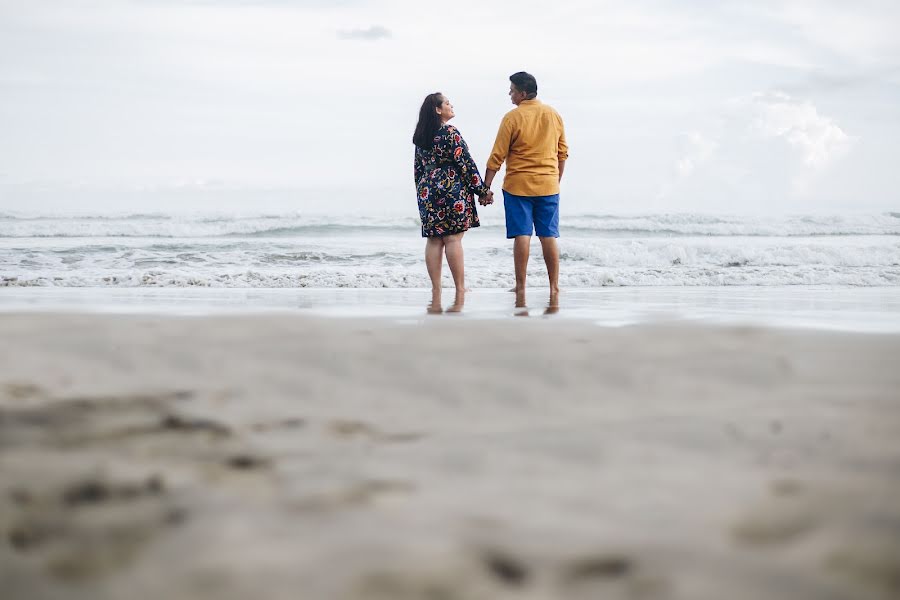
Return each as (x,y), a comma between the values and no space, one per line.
(446,182)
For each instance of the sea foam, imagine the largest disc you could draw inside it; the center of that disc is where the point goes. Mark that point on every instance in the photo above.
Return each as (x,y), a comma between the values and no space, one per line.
(293,250)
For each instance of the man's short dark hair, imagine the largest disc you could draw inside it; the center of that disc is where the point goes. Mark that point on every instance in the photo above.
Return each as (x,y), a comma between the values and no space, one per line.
(525,82)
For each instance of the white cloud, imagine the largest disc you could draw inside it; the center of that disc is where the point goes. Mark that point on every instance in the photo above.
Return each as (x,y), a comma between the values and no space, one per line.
(695,150)
(817,138)
(764,149)
(375,32)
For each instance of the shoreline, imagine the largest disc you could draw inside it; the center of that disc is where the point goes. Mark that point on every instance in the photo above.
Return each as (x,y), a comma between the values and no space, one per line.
(871,310)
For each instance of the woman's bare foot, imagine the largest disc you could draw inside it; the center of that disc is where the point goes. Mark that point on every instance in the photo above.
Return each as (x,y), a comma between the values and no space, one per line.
(458,301)
(434,307)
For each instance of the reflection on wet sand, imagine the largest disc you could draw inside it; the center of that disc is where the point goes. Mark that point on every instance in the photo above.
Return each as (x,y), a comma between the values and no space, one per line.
(435,307)
(552,304)
(522,304)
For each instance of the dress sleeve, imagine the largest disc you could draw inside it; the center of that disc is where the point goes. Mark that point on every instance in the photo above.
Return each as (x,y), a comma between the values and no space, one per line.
(458,150)
(417,167)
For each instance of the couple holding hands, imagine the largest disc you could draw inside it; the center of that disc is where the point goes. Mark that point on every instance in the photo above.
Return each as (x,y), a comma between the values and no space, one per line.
(532,142)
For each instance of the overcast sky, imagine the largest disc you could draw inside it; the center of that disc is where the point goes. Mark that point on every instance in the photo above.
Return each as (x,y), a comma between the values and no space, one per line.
(669,105)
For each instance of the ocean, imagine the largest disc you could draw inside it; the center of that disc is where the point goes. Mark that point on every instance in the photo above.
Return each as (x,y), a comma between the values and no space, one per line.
(295,250)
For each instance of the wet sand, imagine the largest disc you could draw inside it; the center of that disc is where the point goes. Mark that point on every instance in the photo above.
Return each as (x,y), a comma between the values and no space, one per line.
(287,456)
(862,309)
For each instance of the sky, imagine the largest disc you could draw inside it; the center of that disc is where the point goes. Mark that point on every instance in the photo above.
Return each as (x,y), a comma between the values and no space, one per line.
(728,106)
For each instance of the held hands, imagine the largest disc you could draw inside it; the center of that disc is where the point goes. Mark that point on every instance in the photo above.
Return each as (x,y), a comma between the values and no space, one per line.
(487,199)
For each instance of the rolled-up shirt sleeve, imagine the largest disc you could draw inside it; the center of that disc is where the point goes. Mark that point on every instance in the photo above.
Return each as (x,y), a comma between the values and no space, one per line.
(562,150)
(501,145)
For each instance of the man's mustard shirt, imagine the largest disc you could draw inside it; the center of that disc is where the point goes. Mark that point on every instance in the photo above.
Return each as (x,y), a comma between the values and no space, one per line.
(532,141)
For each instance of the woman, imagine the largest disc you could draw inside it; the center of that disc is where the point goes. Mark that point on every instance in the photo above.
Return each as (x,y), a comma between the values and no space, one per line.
(446,181)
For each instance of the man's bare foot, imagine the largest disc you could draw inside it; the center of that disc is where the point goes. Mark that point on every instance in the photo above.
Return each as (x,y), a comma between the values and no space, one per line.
(520,299)
(553,304)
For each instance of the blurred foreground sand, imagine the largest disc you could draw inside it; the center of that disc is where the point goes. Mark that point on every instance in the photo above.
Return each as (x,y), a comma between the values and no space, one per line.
(288,457)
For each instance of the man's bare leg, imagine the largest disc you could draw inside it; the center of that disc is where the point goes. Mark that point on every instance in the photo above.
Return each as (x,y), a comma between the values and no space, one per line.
(454,251)
(551,259)
(521,249)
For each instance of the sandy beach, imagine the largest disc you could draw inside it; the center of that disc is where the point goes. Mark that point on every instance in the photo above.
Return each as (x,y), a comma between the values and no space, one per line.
(236,364)
(289,456)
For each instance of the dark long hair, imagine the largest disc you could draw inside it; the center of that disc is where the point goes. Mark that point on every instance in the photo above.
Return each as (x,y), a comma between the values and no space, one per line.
(429,121)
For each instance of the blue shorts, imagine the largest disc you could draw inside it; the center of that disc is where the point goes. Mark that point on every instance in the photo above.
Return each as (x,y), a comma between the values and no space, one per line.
(531,214)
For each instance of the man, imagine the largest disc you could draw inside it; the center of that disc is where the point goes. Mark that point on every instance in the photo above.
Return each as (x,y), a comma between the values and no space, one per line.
(532,141)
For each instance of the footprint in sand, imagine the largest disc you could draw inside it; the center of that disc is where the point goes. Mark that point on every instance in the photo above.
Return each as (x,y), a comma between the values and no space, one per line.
(500,573)
(856,531)
(22,390)
(350,429)
(354,494)
(87,527)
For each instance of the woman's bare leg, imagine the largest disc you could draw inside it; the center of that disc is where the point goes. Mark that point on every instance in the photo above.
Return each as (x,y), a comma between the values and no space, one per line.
(454,251)
(434,247)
